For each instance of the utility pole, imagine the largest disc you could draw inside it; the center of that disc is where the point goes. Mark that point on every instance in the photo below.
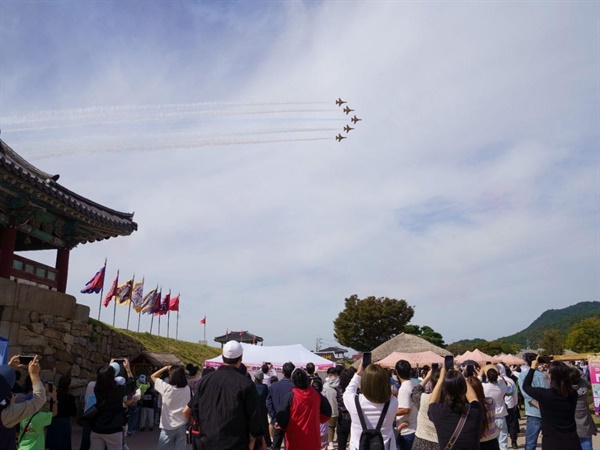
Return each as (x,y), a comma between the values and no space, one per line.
(318,344)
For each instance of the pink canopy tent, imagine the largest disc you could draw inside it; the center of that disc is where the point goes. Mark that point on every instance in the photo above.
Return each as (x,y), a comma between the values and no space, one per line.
(415,359)
(510,360)
(476,355)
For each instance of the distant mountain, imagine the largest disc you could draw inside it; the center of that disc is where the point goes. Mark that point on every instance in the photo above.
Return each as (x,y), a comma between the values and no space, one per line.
(561,319)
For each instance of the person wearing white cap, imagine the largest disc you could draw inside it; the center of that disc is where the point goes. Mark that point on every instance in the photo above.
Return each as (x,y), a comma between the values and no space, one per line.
(12,414)
(225,406)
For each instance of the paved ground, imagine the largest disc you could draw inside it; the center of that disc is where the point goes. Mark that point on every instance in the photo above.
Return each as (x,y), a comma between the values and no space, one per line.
(146,440)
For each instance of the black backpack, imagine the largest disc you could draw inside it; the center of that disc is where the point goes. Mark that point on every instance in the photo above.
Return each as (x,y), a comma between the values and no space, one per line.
(370,438)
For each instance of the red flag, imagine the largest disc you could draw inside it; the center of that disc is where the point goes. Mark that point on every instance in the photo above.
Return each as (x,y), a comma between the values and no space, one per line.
(203,321)
(156,309)
(112,292)
(174,303)
(95,285)
(164,306)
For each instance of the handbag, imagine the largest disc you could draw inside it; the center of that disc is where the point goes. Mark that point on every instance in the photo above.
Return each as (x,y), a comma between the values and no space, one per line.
(88,417)
(459,427)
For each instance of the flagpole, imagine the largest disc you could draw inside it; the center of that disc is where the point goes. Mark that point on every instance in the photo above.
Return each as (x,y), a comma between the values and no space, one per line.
(177,327)
(159,325)
(151,323)
(102,290)
(139,319)
(168,322)
(128,314)
(114,309)
(204,330)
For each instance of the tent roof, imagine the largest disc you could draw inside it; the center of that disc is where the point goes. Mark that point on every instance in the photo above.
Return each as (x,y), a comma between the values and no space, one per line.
(406,343)
(254,357)
(478,356)
(334,350)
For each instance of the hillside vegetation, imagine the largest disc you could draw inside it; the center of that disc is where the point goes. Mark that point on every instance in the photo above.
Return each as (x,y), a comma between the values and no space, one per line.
(560,319)
(187,352)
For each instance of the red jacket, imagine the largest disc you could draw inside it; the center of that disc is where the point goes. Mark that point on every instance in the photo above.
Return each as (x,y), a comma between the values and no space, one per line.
(301,414)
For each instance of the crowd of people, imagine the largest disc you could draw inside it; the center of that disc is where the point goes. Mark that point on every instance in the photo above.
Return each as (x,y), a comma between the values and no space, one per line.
(444,406)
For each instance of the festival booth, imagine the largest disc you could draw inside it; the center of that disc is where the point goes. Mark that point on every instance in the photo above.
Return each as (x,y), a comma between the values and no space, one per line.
(255,356)
(478,356)
(419,359)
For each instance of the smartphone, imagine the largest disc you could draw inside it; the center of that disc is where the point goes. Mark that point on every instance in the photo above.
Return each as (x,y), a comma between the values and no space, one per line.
(470,370)
(50,386)
(366,359)
(435,366)
(25,359)
(119,360)
(449,362)
(545,359)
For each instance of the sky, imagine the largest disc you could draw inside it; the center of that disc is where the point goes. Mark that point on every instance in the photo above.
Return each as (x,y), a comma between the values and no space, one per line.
(470,189)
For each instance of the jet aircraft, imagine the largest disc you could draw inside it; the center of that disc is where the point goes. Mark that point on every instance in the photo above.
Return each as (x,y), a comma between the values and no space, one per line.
(347,110)
(347,128)
(355,119)
(339,137)
(339,102)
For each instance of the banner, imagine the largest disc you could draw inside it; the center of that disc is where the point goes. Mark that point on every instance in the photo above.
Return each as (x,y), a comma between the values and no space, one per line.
(112,292)
(594,368)
(137,297)
(95,285)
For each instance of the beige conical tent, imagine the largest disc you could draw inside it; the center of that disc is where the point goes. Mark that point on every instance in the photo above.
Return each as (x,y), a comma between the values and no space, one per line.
(406,343)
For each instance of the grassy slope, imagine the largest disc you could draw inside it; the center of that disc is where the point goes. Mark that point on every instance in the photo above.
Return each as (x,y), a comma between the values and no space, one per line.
(561,319)
(186,351)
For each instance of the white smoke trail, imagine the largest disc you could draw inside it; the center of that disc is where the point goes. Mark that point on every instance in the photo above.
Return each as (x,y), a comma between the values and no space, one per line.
(167,146)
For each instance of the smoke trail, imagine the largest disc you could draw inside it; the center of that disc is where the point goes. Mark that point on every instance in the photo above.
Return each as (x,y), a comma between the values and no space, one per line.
(170,146)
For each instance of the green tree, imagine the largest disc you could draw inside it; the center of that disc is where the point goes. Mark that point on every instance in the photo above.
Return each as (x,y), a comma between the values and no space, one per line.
(427,333)
(367,323)
(584,337)
(498,346)
(553,342)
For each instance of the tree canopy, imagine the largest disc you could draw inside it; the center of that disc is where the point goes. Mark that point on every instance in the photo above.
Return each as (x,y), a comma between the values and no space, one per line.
(553,342)
(367,323)
(427,333)
(584,337)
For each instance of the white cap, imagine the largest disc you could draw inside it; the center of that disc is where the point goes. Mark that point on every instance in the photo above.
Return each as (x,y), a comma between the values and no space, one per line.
(232,350)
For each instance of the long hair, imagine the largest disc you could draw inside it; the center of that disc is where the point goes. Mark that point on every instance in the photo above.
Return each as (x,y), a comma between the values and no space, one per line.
(454,391)
(62,390)
(560,378)
(105,381)
(478,388)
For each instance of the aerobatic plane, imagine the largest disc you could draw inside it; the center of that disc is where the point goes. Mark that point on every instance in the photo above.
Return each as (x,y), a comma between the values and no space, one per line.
(347,128)
(355,119)
(339,137)
(339,102)
(347,110)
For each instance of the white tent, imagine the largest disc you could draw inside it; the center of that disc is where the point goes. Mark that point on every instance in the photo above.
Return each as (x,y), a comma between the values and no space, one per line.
(254,357)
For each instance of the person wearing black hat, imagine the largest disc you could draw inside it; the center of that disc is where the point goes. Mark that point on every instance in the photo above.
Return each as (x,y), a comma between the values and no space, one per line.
(12,414)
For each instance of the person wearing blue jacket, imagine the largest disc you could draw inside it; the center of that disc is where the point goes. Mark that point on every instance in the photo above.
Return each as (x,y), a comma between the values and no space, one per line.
(277,392)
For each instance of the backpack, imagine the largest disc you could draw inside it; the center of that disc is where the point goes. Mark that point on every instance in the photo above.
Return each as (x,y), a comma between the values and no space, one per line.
(370,438)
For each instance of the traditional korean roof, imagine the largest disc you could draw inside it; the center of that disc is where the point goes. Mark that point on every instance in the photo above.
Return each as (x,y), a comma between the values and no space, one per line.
(334,350)
(240,336)
(33,196)
(156,359)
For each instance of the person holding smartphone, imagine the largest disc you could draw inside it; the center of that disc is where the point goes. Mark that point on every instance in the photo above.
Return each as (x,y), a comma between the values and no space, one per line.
(455,411)
(13,413)
(374,385)
(406,415)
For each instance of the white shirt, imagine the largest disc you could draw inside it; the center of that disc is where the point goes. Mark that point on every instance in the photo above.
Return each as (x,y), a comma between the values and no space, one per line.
(497,391)
(404,401)
(512,395)
(174,401)
(372,412)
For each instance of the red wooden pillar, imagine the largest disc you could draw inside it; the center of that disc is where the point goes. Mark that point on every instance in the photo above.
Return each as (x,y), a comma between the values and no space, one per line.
(8,238)
(62,267)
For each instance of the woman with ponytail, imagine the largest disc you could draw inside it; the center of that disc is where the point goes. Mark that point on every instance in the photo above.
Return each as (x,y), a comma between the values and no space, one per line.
(557,406)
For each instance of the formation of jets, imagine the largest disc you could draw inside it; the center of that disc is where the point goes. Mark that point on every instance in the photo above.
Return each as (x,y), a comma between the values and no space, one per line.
(354,119)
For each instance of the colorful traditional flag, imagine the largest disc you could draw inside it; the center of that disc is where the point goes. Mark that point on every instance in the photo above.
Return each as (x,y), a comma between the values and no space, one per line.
(157,301)
(203,321)
(164,305)
(137,297)
(148,301)
(112,292)
(124,292)
(174,303)
(95,285)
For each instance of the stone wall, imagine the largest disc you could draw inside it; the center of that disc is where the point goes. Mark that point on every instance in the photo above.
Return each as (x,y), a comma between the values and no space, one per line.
(54,326)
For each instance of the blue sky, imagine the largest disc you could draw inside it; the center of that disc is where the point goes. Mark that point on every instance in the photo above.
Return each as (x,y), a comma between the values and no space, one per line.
(470,189)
